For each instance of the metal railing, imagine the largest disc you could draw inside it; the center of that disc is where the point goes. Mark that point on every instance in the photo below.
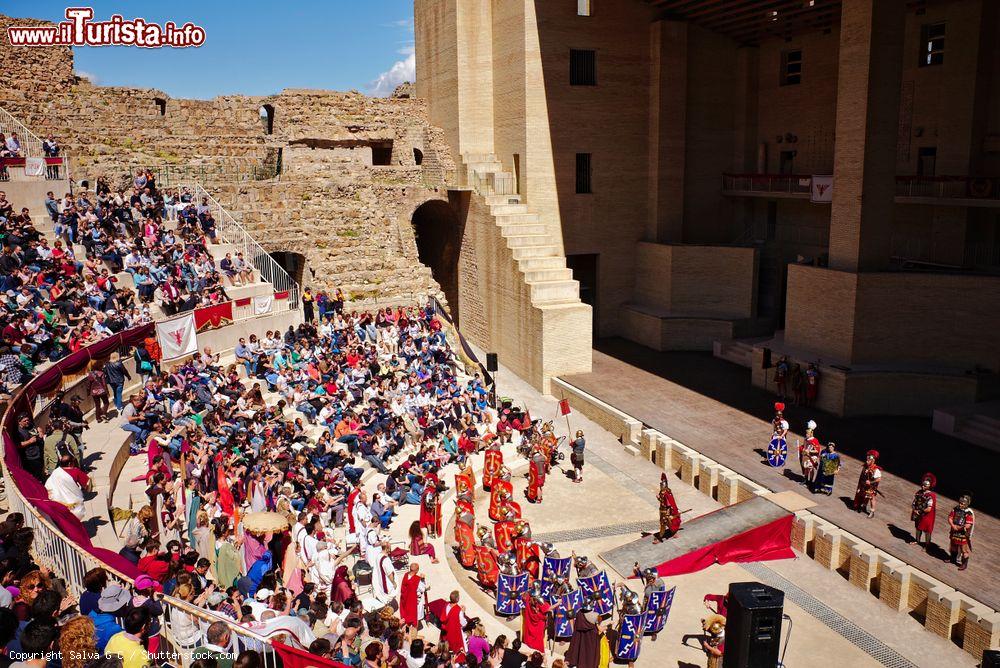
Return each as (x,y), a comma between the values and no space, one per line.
(31,145)
(945,187)
(790,184)
(492,183)
(230,171)
(232,231)
(70,561)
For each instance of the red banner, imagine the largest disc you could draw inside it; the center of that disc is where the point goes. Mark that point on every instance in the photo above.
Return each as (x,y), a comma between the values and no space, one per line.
(292,657)
(213,317)
(564,407)
(769,541)
(243,302)
(281,295)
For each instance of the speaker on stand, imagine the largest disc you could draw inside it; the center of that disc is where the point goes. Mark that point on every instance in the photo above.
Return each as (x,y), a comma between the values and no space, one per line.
(492,366)
(991,658)
(753,626)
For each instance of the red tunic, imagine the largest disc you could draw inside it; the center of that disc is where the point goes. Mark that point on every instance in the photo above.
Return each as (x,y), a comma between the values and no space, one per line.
(452,624)
(667,501)
(536,478)
(533,623)
(352,498)
(408,602)
(430,518)
(925,520)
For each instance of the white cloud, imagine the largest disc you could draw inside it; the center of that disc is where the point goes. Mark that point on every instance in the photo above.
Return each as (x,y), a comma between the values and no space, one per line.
(401,71)
(407,50)
(92,78)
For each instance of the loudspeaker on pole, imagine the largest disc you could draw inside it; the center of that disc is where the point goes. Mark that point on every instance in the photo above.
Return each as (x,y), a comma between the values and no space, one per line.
(753,626)
(491,362)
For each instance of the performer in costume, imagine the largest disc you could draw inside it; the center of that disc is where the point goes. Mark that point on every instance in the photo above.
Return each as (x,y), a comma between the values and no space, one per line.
(452,622)
(527,550)
(584,567)
(430,511)
(485,538)
(871,475)
(779,422)
(487,565)
(629,604)
(809,453)
(537,466)
(829,467)
(670,517)
(469,473)
(576,456)
(652,581)
(492,463)
(504,532)
(924,510)
(465,542)
(585,646)
(714,641)
(533,618)
(961,521)
(413,597)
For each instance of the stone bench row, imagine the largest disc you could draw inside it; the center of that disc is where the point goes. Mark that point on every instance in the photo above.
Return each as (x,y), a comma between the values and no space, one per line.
(940,608)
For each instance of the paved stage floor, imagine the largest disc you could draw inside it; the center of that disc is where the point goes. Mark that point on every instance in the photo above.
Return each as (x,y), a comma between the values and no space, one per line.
(709,405)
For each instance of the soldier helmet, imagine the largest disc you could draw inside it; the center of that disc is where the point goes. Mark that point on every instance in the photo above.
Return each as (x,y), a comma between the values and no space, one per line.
(650,574)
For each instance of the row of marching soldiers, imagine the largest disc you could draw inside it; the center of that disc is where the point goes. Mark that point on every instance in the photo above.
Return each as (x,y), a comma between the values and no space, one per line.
(532,580)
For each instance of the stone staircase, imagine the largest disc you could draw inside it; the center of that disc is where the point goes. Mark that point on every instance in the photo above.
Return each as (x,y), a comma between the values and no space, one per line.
(538,255)
(981,430)
(735,351)
(977,423)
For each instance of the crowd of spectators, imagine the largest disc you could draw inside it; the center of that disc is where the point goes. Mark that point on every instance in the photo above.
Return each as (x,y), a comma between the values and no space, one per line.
(55,301)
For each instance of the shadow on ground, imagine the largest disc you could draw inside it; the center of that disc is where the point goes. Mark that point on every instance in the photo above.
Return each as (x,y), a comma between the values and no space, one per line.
(908,445)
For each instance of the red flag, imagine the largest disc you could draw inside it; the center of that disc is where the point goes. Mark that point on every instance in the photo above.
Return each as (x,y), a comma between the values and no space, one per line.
(293,657)
(564,407)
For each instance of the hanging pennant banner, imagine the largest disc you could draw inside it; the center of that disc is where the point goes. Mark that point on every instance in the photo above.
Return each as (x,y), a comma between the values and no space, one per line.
(262,304)
(177,337)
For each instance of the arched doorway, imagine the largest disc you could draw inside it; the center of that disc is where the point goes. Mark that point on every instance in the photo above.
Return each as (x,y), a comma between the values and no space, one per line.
(439,230)
(267,118)
(294,264)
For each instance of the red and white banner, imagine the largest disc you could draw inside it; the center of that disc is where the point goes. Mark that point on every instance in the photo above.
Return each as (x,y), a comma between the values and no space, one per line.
(262,304)
(821,190)
(177,337)
(34,167)
(213,317)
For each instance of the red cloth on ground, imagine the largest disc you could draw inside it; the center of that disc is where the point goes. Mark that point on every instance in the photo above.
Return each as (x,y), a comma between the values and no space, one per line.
(769,541)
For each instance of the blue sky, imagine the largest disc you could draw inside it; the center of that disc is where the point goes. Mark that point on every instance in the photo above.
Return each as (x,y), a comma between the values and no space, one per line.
(252,47)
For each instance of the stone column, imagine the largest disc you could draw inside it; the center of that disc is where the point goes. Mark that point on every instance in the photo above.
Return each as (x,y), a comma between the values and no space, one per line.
(871,41)
(667,130)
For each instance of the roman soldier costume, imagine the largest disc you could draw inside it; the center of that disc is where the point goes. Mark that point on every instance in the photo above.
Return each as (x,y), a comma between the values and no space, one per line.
(779,422)
(533,618)
(504,533)
(584,568)
(809,452)
(487,566)
(924,510)
(536,474)
(465,524)
(492,463)
(961,521)
(430,511)
(501,496)
(670,517)
(871,475)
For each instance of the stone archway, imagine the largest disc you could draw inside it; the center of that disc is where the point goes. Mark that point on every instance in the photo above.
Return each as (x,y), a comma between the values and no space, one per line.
(438,230)
(294,264)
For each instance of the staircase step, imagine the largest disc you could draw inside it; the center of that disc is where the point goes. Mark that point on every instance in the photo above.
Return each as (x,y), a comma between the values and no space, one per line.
(979,437)
(558,274)
(493,200)
(985,421)
(522,240)
(522,229)
(479,157)
(541,262)
(522,252)
(982,424)
(506,209)
(544,291)
(516,218)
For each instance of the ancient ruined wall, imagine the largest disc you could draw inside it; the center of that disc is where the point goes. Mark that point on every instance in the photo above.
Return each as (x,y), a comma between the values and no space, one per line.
(348,217)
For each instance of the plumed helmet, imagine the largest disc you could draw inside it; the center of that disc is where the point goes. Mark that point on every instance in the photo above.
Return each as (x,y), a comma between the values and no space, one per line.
(779,407)
(811,424)
(931,478)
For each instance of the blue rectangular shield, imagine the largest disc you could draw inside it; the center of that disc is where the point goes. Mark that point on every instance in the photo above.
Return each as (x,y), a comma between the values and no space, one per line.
(629,637)
(510,593)
(553,569)
(599,588)
(658,609)
(564,613)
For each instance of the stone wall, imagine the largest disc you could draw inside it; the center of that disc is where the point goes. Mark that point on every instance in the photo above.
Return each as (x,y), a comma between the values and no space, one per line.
(349,218)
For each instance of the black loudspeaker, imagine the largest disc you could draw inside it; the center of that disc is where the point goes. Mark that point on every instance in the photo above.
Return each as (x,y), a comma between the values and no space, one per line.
(753,626)
(991,658)
(491,362)
(766,361)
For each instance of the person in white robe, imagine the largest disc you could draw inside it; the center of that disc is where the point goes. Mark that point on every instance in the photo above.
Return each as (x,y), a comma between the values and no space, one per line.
(385,590)
(63,488)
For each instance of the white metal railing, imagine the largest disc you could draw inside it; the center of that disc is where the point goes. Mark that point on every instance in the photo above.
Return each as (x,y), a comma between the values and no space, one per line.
(492,183)
(232,231)
(31,145)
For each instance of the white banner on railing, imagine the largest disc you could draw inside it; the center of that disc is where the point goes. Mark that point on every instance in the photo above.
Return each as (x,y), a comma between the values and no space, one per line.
(822,189)
(34,167)
(177,337)
(262,304)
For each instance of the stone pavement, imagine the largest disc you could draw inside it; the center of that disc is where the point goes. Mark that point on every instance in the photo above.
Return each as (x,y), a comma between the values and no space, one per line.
(730,433)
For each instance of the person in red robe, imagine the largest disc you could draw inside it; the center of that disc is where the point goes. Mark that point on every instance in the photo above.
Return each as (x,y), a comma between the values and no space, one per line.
(868,481)
(430,511)
(924,510)
(536,474)
(352,498)
(452,622)
(670,517)
(533,619)
(413,597)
